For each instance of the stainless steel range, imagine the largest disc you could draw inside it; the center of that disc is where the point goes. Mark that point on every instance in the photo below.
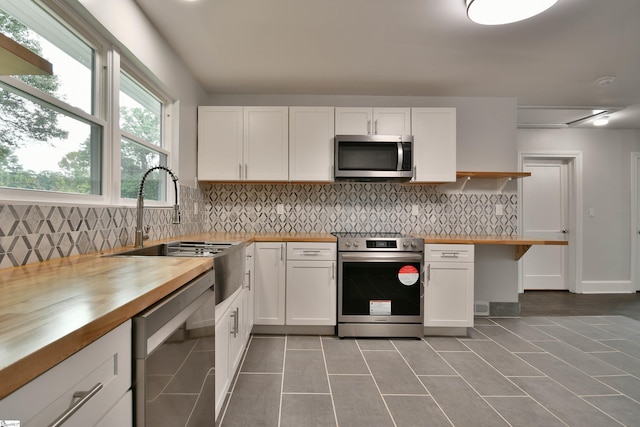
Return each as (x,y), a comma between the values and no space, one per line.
(380,285)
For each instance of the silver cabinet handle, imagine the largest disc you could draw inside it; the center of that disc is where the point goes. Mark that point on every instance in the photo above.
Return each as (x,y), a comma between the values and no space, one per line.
(249,280)
(246,173)
(309,252)
(369,126)
(333,271)
(234,316)
(449,255)
(239,170)
(281,253)
(375,127)
(428,273)
(84,397)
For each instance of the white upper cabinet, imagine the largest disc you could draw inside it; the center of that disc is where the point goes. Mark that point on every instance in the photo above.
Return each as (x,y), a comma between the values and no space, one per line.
(219,143)
(392,121)
(311,132)
(243,143)
(373,121)
(266,143)
(434,144)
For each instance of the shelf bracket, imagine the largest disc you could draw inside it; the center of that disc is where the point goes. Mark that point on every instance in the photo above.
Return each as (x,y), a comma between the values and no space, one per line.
(520,250)
(502,182)
(462,182)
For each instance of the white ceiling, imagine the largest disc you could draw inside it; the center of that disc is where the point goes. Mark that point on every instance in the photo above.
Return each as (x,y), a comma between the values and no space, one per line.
(410,47)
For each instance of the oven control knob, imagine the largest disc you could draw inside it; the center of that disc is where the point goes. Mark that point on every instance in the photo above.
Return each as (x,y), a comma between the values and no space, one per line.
(405,244)
(348,243)
(356,244)
(413,244)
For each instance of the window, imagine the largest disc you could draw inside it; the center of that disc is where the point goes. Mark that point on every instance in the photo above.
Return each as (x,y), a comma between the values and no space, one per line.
(141,144)
(49,138)
(58,139)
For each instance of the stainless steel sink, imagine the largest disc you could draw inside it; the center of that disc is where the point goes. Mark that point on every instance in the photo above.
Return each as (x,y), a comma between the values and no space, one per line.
(228,260)
(180,248)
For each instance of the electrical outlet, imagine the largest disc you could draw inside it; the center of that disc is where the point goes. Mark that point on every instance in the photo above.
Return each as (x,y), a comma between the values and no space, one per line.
(280,209)
(414,210)
(195,208)
(499,210)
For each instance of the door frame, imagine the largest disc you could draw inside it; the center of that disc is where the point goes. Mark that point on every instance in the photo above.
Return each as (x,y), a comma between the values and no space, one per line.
(574,216)
(635,225)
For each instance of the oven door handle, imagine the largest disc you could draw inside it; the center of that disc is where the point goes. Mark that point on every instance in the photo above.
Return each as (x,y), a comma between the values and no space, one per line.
(382,256)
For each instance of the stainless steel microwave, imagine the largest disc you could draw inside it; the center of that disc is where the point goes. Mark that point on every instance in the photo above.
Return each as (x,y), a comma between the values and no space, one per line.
(373,157)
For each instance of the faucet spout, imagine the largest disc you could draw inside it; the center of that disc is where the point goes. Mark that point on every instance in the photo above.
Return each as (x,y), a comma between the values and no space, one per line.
(140,235)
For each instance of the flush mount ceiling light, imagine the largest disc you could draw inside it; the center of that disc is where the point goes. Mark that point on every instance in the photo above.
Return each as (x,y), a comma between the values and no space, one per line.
(601,121)
(498,12)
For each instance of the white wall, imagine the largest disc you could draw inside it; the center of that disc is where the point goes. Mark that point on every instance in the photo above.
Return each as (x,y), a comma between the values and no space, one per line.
(606,264)
(137,39)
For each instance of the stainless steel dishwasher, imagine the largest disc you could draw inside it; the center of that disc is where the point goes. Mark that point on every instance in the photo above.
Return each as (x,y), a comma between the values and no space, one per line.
(174,344)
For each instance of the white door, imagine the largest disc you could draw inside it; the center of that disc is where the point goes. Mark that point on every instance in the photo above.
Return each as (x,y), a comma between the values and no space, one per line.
(545,207)
(266,143)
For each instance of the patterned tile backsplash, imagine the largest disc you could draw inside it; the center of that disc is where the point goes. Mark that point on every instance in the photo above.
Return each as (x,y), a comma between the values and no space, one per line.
(36,232)
(33,233)
(356,207)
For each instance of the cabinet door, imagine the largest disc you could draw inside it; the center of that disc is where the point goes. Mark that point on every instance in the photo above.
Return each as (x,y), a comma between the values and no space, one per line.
(434,144)
(220,143)
(249,285)
(354,121)
(266,143)
(448,295)
(223,379)
(236,335)
(311,293)
(391,121)
(270,283)
(311,132)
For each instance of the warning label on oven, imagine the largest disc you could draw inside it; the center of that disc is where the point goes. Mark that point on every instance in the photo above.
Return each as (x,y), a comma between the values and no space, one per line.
(380,307)
(408,275)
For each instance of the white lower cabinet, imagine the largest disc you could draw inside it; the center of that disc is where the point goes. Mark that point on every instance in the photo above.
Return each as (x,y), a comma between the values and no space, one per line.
(295,284)
(270,275)
(103,367)
(448,295)
(230,342)
(311,284)
(249,285)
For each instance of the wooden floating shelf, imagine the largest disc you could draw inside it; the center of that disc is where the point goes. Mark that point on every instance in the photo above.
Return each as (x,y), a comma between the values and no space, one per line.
(493,175)
(16,59)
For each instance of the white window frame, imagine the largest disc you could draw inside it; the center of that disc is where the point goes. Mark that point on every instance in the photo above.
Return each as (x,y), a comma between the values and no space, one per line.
(108,63)
(166,135)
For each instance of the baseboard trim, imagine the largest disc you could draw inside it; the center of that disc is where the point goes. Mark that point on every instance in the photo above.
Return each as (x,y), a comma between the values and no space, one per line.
(293,330)
(607,287)
(504,309)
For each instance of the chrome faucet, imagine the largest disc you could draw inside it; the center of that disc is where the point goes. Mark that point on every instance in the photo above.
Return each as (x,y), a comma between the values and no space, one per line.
(141,232)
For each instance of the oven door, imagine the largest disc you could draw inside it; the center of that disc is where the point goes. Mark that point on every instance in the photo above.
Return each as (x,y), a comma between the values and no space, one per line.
(380,287)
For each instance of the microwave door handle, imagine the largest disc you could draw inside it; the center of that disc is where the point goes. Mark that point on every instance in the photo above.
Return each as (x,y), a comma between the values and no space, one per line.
(400,156)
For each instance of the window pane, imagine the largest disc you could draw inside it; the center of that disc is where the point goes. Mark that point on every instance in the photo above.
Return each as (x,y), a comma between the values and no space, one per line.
(72,59)
(135,160)
(140,111)
(42,148)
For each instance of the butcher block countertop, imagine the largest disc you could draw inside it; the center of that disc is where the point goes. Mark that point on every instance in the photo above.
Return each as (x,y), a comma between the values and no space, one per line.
(52,309)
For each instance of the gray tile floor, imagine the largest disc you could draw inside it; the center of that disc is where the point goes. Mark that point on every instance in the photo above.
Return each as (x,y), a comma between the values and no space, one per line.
(531,371)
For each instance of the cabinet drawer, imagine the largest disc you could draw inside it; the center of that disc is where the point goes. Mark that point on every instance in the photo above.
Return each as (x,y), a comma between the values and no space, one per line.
(311,251)
(106,362)
(449,253)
